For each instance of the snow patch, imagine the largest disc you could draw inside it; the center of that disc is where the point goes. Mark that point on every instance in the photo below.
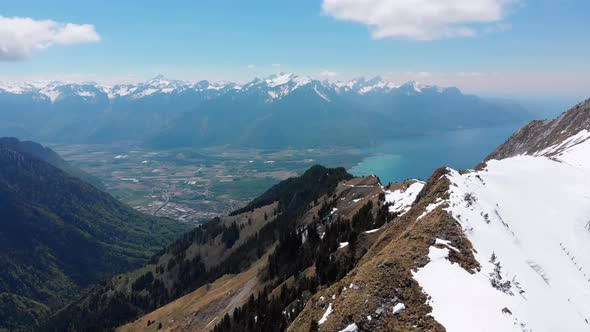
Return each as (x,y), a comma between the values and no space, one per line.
(446,243)
(50,92)
(430,208)
(398,308)
(323,96)
(326,314)
(145,93)
(351,328)
(401,200)
(88,94)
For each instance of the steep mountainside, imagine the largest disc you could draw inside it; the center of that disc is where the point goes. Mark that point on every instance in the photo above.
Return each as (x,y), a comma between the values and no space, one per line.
(539,135)
(46,154)
(267,112)
(59,235)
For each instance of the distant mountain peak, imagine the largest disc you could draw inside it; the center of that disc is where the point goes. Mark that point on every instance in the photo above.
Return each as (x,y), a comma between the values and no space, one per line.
(286,78)
(375,80)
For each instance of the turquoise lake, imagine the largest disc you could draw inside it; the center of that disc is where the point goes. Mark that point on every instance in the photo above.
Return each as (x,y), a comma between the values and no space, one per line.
(418,157)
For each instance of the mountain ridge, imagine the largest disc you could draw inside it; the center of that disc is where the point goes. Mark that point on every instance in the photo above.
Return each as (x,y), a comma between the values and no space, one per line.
(48,155)
(541,134)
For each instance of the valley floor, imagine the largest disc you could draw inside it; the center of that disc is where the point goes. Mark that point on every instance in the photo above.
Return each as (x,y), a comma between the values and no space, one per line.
(195,185)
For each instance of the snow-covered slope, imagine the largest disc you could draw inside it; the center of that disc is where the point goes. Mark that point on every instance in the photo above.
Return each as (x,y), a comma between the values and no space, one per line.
(528,218)
(538,233)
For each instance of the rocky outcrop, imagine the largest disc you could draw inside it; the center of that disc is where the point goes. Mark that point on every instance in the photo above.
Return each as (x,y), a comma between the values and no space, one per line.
(541,134)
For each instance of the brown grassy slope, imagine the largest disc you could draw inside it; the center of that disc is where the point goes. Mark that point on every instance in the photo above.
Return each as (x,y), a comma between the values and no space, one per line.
(212,253)
(215,252)
(201,309)
(383,277)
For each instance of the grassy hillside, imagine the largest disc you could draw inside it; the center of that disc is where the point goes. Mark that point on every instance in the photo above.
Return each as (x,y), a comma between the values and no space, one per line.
(59,235)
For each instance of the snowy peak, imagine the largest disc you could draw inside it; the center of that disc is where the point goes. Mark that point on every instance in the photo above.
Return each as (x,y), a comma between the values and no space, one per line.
(161,82)
(158,84)
(16,87)
(57,91)
(280,85)
(120,90)
(377,85)
(280,79)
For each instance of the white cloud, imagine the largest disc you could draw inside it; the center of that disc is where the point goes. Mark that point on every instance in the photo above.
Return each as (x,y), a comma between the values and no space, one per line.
(422,19)
(251,66)
(276,65)
(327,74)
(21,36)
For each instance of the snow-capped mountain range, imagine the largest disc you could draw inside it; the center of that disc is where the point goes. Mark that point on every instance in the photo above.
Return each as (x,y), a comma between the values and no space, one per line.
(265,112)
(275,87)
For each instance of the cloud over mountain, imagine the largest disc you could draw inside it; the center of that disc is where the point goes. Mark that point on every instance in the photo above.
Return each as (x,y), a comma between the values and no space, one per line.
(20,37)
(420,19)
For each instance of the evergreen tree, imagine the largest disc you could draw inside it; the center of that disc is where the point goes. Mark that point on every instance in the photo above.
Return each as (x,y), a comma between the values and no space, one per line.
(314,327)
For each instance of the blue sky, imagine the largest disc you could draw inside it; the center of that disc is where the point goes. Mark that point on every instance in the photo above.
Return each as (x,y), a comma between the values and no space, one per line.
(530,47)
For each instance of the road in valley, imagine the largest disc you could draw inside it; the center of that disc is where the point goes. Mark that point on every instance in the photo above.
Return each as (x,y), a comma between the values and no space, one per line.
(167,196)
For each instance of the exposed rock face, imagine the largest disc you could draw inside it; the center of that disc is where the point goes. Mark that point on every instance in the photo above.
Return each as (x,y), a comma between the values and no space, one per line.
(540,134)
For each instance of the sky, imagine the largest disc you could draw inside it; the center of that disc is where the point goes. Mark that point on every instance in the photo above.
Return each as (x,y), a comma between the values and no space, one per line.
(490,47)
